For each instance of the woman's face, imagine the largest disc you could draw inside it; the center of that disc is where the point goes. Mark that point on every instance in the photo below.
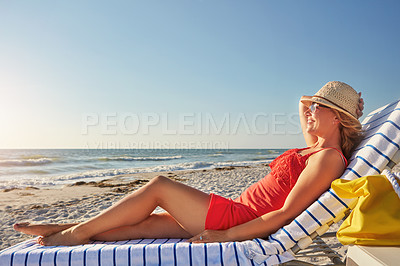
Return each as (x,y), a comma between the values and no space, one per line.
(320,119)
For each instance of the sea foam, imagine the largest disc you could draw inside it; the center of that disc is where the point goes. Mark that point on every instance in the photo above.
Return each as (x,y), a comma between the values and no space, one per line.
(98,175)
(25,162)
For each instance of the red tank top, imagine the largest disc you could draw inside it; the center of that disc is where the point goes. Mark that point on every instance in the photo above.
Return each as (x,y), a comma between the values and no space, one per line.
(270,193)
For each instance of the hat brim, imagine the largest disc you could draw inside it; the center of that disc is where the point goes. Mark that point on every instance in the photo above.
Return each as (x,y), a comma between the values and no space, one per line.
(308,100)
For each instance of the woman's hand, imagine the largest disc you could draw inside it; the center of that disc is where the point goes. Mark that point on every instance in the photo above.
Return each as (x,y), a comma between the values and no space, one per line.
(209,236)
(360,106)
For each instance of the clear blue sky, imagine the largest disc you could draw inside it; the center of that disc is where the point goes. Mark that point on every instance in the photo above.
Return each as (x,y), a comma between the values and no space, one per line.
(64,64)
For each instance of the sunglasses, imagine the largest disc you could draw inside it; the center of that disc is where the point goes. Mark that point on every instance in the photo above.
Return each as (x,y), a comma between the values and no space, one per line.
(314,107)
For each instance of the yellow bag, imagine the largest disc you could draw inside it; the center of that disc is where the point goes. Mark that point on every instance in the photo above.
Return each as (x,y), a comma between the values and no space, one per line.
(376,218)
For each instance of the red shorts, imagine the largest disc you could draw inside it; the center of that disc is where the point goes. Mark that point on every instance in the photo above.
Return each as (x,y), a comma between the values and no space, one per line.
(225,213)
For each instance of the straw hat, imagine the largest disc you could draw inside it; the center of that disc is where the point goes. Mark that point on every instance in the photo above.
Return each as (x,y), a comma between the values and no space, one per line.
(337,95)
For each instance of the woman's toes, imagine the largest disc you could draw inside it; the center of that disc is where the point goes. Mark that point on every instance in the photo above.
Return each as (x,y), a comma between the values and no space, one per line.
(20,225)
(44,241)
(49,241)
(23,224)
(40,241)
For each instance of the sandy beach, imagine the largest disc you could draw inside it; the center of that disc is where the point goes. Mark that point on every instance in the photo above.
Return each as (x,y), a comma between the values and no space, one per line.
(84,200)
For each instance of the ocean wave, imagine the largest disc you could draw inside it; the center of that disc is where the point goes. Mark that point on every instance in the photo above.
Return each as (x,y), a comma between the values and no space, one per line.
(130,158)
(108,173)
(98,175)
(215,155)
(31,182)
(262,158)
(26,162)
(274,151)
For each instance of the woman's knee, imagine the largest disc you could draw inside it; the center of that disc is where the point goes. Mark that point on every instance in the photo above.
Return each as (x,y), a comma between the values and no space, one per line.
(153,187)
(160,181)
(160,178)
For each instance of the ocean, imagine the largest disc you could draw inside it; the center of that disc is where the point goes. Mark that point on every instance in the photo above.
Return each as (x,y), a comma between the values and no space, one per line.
(51,168)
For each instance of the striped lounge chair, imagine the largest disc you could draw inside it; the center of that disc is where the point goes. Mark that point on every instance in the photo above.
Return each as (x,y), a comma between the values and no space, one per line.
(379,148)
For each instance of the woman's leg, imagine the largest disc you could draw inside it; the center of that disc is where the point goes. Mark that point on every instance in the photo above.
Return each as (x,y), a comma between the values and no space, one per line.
(187,205)
(161,225)
(41,229)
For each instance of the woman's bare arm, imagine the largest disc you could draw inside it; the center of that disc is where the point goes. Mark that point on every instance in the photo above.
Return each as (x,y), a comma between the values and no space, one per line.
(322,169)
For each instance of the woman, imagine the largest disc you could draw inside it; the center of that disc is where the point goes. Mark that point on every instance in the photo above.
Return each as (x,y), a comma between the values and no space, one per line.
(298,177)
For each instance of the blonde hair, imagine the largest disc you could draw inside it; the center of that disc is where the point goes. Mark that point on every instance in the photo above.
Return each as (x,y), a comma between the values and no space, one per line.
(351,133)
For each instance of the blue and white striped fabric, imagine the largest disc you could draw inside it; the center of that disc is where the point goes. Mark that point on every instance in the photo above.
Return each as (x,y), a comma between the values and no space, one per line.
(133,252)
(381,143)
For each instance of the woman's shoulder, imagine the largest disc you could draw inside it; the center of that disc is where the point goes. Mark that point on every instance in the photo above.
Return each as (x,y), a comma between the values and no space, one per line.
(325,164)
(329,157)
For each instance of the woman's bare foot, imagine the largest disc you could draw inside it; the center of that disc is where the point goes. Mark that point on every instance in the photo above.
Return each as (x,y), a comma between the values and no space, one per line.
(41,229)
(68,237)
